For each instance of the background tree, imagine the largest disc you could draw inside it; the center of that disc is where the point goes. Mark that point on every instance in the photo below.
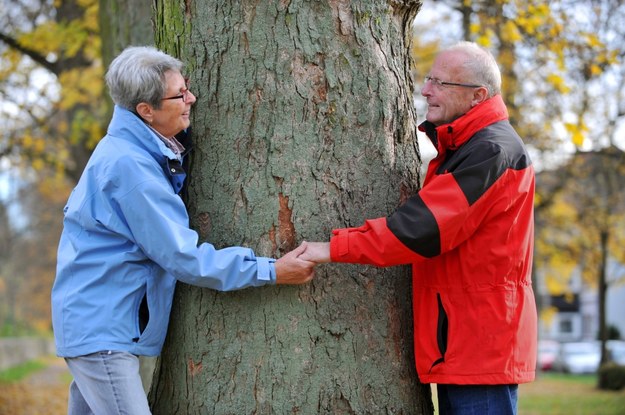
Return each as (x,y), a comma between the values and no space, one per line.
(51,85)
(31,268)
(586,226)
(563,60)
(52,112)
(122,24)
(304,122)
(7,303)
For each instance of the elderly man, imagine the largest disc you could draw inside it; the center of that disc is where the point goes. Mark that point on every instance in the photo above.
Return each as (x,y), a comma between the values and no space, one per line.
(468,234)
(126,241)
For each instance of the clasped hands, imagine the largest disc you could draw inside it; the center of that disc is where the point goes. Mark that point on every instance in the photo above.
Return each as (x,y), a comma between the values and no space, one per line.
(298,266)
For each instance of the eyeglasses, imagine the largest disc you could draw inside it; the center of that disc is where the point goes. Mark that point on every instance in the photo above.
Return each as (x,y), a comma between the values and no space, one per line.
(438,83)
(185,93)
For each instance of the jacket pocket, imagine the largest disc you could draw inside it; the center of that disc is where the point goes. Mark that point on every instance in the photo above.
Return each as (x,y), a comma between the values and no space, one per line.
(144,316)
(442,331)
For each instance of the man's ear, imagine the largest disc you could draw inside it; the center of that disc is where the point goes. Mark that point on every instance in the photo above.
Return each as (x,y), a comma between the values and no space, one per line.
(479,95)
(145,111)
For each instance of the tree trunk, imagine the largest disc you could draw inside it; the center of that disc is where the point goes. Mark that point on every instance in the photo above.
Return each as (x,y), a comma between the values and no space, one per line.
(602,290)
(304,122)
(124,23)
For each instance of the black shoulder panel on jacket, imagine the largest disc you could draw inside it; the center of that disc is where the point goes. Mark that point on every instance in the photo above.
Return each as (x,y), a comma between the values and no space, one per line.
(415,226)
(478,164)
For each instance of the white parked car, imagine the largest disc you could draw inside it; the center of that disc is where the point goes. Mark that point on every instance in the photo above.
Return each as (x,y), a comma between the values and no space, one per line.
(578,357)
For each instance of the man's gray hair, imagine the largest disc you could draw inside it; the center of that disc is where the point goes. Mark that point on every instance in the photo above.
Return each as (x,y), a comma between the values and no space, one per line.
(138,75)
(480,65)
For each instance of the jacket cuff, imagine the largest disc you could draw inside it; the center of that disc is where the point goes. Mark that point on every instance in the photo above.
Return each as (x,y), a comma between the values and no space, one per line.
(339,244)
(266,269)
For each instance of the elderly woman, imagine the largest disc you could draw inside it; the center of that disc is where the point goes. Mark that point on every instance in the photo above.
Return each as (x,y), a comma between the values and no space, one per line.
(126,241)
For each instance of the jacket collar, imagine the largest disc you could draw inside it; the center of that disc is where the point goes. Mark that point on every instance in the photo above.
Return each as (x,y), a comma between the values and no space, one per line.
(128,126)
(451,136)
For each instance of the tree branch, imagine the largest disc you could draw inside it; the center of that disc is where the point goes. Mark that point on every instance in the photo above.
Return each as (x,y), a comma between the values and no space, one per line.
(35,56)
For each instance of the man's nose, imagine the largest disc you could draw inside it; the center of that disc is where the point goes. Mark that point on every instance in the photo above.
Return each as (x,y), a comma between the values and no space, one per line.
(426,89)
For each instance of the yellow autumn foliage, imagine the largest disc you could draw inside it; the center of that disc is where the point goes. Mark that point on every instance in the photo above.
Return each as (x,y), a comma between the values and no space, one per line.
(577,132)
(484,40)
(39,145)
(593,40)
(548,314)
(67,39)
(475,28)
(38,164)
(558,273)
(72,46)
(510,32)
(80,86)
(558,83)
(423,54)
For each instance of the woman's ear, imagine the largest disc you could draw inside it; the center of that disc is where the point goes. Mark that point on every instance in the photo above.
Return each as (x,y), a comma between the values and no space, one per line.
(145,111)
(479,95)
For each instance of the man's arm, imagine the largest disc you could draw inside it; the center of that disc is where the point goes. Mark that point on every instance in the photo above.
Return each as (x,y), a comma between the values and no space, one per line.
(318,252)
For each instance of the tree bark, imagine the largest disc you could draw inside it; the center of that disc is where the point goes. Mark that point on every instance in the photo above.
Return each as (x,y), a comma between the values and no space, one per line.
(304,122)
(602,291)
(124,23)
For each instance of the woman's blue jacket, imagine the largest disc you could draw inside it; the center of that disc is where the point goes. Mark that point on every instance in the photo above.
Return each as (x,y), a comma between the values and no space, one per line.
(126,241)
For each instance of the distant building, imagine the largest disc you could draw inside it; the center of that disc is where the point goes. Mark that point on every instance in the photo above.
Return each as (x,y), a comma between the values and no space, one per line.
(574,316)
(588,185)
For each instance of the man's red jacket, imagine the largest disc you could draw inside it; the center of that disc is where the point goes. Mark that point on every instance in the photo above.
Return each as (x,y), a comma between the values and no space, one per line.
(468,234)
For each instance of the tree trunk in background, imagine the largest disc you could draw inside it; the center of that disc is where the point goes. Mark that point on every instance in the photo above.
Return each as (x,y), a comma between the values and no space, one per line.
(304,122)
(124,23)
(602,291)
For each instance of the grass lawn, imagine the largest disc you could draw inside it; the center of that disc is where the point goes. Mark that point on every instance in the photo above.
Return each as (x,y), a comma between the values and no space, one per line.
(560,394)
(19,372)
(31,390)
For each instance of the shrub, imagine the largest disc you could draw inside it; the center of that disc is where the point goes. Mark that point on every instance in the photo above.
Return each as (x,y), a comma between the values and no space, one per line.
(611,376)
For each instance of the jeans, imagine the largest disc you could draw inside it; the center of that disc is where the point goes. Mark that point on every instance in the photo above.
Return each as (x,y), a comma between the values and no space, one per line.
(106,383)
(477,399)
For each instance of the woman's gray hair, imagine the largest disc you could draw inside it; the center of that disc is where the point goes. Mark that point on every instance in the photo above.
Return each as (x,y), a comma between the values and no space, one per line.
(480,65)
(138,75)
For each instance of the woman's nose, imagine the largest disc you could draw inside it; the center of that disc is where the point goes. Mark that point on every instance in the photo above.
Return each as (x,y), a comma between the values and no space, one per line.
(192,98)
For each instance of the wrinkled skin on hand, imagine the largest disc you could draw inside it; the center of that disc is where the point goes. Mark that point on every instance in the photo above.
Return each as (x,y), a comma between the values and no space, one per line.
(318,252)
(292,269)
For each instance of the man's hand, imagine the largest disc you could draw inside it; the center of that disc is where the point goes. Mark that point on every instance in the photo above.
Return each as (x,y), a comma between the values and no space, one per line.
(292,269)
(318,252)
